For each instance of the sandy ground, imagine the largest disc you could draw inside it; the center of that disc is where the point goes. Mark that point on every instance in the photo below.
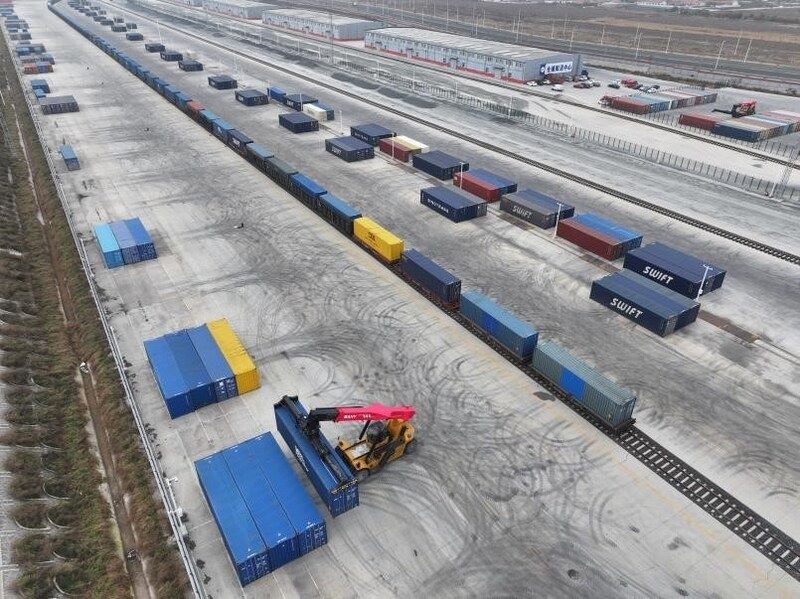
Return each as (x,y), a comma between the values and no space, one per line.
(510,492)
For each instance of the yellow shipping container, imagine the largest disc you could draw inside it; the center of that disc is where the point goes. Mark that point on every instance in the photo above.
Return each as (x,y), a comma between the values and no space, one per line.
(242,365)
(385,244)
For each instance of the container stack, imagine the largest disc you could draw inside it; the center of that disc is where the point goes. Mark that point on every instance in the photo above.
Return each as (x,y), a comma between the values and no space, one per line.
(249,97)
(264,514)
(124,242)
(222,82)
(536,208)
(451,204)
(298,122)
(702,120)
(484,184)
(759,127)
(401,148)
(675,270)
(200,366)
(438,164)
(600,236)
(371,133)
(350,148)
(644,103)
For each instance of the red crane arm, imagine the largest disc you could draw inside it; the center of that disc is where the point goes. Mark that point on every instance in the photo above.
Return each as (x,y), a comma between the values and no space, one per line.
(375,411)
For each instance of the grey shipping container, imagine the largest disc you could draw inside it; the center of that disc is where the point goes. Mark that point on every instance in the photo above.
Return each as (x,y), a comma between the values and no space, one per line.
(595,392)
(438,164)
(350,149)
(298,122)
(279,171)
(645,302)
(371,133)
(536,208)
(674,269)
(437,282)
(499,325)
(453,205)
(58,104)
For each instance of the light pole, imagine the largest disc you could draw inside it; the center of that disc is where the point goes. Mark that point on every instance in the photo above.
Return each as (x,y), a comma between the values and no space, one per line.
(461,175)
(558,217)
(719,54)
(702,282)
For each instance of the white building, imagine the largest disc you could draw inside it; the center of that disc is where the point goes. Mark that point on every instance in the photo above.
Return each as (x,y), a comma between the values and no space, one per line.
(244,9)
(319,23)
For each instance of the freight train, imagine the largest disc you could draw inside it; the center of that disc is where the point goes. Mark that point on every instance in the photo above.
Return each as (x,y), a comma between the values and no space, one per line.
(592,394)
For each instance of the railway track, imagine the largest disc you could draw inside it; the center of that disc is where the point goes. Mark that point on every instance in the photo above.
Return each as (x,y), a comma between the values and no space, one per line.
(535,94)
(729,235)
(758,532)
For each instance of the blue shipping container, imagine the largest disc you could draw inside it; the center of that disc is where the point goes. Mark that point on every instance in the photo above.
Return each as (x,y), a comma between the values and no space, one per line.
(438,164)
(130,251)
(371,133)
(337,212)
(278,534)
(674,269)
(109,247)
(168,377)
(440,283)
(453,205)
(306,190)
(298,122)
(276,93)
(292,495)
(629,239)
(258,154)
(40,84)
(516,336)
(645,302)
(334,482)
(199,386)
(245,546)
(214,362)
(501,183)
(222,129)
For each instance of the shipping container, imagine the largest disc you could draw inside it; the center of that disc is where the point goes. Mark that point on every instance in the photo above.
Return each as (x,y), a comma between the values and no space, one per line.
(278,534)
(701,120)
(222,82)
(251,97)
(222,129)
(40,84)
(131,25)
(587,387)
(383,243)
(242,365)
(453,205)
(484,184)
(224,381)
(435,281)
(109,248)
(144,243)
(315,112)
(199,386)
(600,236)
(279,171)
(645,302)
(170,93)
(298,122)
(182,100)
(246,548)
(349,149)
(499,325)
(154,47)
(397,150)
(370,133)
(171,56)
(627,104)
(331,477)
(119,28)
(194,108)
(207,119)
(438,164)
(126,242)
(297,504)
(536,208)
(238,141)
(168,377)
(190,65)
(70,158)
(413,145)
(39,94)
(337,212)
(296,101)
(674,269)
(276,93)
(258,154)
(58,104)
(305,189)
(134,36)
(329,110)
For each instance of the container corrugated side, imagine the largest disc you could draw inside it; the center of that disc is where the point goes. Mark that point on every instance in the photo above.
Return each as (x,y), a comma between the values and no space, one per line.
(601,396)
(109,248)
(215,363)
(168,377)
(337,488)
(246,548)
(296,502)
(674,269)
(515,335)
(242,365)
(589,239)
(126,242)
(435,280)
(144,243)
(536,208)
(278,534)
(383,242)
(337,212)
(200,387)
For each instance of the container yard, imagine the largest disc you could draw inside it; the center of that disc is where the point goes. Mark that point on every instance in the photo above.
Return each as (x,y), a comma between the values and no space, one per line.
(352,380)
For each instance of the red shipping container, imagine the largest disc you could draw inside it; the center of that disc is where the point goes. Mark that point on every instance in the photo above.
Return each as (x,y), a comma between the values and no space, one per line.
(30,69)
(475,186)
(630,105)
(700,120)
(395,149)
(194,107)
(589,239)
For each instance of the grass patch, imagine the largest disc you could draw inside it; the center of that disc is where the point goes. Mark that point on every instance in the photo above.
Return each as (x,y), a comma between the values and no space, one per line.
(31,514)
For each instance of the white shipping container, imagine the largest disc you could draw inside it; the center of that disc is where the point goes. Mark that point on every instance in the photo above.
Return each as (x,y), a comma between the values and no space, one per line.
(189,55)
(412,143)
(315,112)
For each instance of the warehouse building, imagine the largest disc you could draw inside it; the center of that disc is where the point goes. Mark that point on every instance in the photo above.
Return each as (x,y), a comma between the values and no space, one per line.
(499,60)
(244,9)
(319,23)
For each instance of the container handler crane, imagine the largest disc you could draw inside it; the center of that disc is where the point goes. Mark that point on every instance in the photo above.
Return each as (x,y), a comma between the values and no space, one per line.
(743,108)
(386,436)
